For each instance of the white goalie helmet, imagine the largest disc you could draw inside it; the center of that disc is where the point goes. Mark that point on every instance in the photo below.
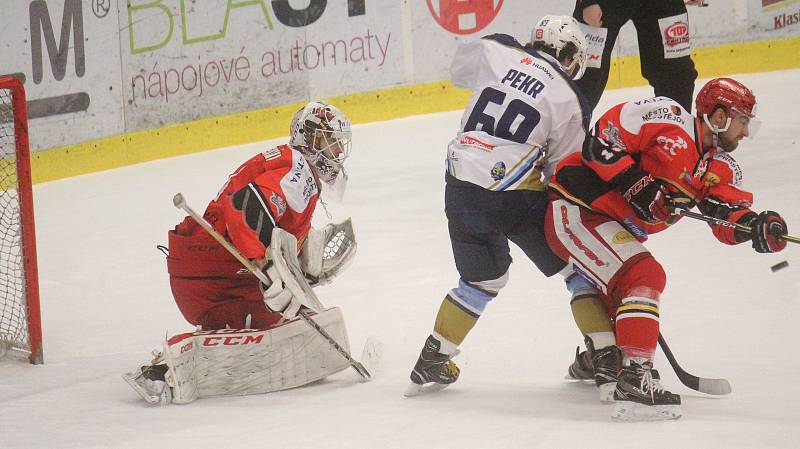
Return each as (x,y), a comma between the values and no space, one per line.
(322,133)
(564,35)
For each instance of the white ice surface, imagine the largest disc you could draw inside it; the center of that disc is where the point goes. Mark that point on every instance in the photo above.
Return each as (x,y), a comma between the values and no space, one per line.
(106,303)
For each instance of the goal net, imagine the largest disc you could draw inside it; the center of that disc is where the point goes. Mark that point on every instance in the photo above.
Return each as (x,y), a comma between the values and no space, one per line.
(20,324)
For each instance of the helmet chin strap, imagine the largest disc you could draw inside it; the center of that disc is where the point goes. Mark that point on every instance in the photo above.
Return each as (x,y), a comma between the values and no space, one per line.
(715,130)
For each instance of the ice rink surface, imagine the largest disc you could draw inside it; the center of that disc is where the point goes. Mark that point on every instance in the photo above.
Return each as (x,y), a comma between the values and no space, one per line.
(106,304)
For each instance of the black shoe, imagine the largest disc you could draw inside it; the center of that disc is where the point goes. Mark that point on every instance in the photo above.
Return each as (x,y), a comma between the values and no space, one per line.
(433,366)
(640,397)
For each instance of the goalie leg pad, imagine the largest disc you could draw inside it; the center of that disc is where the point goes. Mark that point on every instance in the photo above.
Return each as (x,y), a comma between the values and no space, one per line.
(233,362)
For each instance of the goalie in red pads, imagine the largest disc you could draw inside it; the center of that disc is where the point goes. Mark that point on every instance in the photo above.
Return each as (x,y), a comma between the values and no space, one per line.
(643,159)
(250,340)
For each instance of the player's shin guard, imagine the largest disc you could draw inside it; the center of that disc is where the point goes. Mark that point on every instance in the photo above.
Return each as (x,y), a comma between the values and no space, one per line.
(637,317)
(462,307)
(638,324)
(457,315)
(592,318)
(601,361)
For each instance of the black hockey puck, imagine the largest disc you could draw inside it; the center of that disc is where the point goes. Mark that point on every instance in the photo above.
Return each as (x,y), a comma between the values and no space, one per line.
(779,266)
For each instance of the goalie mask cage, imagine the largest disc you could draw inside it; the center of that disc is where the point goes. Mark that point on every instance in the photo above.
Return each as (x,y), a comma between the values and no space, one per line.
(20,322)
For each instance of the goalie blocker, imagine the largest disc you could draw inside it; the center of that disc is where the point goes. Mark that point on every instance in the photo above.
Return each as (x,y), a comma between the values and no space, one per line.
(234,362)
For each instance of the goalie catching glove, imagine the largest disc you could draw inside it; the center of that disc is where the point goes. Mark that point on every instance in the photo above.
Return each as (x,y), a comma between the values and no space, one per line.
(328,251)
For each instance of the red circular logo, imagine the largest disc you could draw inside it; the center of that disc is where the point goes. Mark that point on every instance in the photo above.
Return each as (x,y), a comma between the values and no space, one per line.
(676,34)
(464,16)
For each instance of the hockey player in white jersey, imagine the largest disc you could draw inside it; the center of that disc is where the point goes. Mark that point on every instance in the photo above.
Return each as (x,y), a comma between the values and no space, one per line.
(525,115)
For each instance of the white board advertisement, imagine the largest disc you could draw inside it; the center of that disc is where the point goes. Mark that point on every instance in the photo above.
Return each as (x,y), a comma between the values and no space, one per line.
(99,68)
(67,54)
(185,60)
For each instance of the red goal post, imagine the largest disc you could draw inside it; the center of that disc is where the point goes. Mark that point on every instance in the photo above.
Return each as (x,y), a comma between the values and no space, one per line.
(20,319)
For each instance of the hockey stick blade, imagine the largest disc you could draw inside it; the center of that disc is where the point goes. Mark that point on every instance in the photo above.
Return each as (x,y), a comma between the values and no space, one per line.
(702,384)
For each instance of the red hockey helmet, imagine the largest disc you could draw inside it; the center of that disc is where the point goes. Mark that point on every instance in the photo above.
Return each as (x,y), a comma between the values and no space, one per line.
(727,93)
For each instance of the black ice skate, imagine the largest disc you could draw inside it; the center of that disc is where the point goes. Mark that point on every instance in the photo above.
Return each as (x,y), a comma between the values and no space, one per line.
(581,368)
(149,381)
(606,362)
(640,397)
(601,366)
(434,371)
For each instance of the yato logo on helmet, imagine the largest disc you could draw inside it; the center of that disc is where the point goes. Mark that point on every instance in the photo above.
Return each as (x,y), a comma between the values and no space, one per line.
(676,34)
(464,17)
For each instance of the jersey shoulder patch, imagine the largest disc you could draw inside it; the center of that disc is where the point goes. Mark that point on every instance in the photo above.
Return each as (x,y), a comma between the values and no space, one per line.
(299,184)
(272,153)
(634,115)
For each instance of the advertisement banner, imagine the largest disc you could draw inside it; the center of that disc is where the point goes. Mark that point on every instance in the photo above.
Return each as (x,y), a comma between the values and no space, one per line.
(67,54)
(776,17)
(100,68)
(448,22)
(186,60)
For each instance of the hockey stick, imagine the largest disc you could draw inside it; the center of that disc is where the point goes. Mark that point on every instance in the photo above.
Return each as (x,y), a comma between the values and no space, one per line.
(701,384)
(727,224)
(180,202)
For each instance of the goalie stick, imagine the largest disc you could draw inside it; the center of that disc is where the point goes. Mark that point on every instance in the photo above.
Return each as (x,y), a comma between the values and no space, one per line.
(180,202)
(701,384)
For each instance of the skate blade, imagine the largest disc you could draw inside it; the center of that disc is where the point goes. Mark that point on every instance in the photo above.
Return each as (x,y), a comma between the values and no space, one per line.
(606,392)
(627,411)
(418,390)
(130,379)
(577,379)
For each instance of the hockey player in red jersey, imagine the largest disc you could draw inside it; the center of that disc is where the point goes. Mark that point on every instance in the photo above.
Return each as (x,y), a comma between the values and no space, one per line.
(643,159)
(276,188)
(272,194)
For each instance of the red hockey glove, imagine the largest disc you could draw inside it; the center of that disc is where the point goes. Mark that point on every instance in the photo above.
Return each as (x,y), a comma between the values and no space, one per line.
(766,231)
(646,195)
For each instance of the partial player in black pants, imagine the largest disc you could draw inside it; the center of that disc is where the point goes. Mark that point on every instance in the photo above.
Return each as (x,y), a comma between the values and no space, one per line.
(662,27)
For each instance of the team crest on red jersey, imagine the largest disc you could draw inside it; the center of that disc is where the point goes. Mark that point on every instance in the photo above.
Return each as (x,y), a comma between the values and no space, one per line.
(613,135)
(278,202)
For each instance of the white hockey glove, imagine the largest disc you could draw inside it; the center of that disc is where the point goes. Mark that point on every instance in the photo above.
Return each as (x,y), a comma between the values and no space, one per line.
(328,251)
(289,290)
